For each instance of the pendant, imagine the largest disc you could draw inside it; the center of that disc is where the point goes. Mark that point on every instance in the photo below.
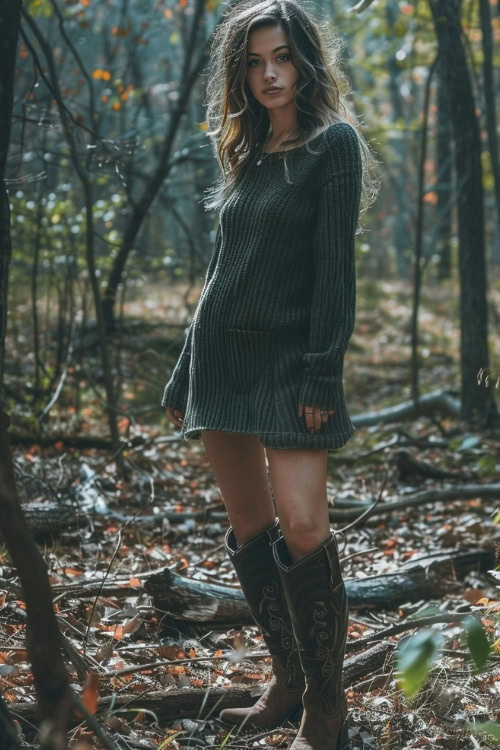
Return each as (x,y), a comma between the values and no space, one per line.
(259,162)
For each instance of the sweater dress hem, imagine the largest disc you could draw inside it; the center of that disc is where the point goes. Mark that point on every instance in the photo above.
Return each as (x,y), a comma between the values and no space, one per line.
(282,440)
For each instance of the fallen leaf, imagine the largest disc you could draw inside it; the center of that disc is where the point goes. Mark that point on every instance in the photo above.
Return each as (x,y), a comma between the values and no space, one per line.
(90,693)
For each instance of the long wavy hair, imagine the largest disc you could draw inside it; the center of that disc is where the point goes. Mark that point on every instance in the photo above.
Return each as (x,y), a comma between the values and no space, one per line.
(237,124)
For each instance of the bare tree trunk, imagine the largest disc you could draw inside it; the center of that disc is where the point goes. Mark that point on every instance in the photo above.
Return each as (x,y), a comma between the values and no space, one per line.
(43,638)
(399,146)
(444,159)
(489,96)
(8,734)
(418,255)
(10,19)
(477,401)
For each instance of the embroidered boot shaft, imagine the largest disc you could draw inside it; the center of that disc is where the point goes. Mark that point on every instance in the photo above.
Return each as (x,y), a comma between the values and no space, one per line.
(260,581)
(317,600)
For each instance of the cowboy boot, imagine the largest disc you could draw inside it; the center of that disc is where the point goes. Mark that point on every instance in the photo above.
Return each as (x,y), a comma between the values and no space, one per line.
(318,606)
(256,569)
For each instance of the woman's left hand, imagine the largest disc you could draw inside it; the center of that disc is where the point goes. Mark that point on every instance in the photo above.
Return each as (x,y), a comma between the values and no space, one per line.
(313,416)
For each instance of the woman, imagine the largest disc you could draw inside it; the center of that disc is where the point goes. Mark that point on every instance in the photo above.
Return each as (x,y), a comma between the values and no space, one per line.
(260,374)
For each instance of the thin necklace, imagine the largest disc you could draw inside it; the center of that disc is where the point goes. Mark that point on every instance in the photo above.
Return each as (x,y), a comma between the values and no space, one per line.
(262,157)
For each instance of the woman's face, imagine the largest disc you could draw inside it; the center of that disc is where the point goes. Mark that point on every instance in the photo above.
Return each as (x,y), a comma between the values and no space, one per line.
(269,64)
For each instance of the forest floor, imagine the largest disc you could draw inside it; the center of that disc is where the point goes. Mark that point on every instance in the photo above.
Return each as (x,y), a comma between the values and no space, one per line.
(137,657)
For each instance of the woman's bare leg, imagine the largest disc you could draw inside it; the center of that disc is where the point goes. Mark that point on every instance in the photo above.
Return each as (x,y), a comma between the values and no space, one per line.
(298,479)
(238,462)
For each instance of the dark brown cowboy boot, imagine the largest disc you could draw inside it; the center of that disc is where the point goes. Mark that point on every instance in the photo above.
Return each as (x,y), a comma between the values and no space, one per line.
(318,605)
(260,581)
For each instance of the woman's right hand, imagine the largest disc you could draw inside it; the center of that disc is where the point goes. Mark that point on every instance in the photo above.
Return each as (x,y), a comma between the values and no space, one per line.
(175,416)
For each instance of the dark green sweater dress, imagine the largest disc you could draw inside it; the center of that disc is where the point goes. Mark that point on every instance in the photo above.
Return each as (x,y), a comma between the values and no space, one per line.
(277,309)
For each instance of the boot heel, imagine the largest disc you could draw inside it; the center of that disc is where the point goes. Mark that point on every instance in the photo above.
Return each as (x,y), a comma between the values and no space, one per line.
(343,739)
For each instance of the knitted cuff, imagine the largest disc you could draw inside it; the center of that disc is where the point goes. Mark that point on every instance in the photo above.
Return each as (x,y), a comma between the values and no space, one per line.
(325,392)
(175,395)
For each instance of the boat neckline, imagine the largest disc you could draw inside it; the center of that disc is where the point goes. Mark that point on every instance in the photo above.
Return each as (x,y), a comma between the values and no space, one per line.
(297,148)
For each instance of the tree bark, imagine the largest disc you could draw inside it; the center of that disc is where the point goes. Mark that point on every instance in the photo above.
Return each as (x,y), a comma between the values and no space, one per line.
(10,19)
(196,601)
(489,96)
(8,734)
(444,160)
(43,641)
(477,402)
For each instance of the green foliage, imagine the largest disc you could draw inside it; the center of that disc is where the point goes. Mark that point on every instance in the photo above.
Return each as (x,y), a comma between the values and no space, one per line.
(490,728)
(170,739)
(415,655)
(39,8)
(476,641)
(226,738)
(487,466)
(58,223)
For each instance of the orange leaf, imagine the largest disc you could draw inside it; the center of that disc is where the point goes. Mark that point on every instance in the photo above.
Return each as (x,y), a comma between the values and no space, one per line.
(90,694)
(123,424)
(135,583)
(73,572)
(118,632)
(473,595)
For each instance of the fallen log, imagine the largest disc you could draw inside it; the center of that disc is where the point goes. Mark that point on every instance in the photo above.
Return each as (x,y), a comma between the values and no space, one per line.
(441,401)
(409,467)
(50,518)
(181,703)
(415,499)
(199,601)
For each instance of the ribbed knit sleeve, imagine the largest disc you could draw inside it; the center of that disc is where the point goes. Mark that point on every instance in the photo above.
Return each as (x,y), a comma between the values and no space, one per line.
(334,292)
(176,391)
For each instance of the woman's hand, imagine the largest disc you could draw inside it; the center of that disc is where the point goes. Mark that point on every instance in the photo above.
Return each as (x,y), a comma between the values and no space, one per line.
(175,415)
(314,418)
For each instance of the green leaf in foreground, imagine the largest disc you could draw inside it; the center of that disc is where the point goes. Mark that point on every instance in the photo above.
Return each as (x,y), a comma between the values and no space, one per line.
(490,728)
(226,738)
(170,739)
(476,640)
(414,658)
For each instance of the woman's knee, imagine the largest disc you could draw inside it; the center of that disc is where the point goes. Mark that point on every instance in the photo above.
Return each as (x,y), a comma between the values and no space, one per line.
(238,464)
(305,534)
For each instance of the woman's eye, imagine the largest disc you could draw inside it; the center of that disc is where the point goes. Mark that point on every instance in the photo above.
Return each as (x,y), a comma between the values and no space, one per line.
(287,57)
